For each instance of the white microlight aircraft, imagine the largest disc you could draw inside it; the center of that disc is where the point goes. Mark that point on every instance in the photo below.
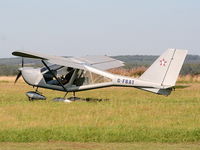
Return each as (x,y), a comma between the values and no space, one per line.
(86,73)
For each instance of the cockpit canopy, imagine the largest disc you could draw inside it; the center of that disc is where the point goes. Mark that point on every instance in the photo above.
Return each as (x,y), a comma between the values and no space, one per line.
(71,76)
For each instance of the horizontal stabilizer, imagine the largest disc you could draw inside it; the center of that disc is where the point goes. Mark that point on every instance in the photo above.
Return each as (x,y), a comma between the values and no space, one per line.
(165,92)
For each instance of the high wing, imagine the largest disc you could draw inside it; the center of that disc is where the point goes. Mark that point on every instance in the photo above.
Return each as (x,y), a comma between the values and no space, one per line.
(99,62)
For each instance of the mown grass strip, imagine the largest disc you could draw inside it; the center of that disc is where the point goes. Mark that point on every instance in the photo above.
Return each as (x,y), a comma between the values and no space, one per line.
(107,135)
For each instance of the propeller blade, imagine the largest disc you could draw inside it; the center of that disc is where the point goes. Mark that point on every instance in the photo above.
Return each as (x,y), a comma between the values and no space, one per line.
(20,72)
(18,76)
(22,62)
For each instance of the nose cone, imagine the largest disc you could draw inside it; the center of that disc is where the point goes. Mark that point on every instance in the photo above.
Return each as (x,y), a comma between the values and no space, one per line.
(31,76)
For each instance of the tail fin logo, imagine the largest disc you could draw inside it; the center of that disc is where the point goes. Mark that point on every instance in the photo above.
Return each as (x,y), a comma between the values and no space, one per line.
(163,62)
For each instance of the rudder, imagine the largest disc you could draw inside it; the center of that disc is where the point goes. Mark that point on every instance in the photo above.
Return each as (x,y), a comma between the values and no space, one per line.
(165,70)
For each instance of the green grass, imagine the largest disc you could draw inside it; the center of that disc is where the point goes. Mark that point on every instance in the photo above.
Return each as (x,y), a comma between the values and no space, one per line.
(92,134)
(97,146)
(130,115)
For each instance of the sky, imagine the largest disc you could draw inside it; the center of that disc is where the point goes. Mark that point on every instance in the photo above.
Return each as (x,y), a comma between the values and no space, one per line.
(99,27)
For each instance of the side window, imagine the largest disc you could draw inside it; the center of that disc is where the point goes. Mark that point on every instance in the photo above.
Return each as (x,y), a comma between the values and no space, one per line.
(63,75)
(87,78)
(65,78)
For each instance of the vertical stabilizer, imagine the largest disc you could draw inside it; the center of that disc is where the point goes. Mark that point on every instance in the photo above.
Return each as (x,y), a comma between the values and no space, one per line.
(166,68)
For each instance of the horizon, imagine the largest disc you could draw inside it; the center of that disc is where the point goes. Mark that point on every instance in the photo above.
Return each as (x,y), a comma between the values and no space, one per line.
(98,55)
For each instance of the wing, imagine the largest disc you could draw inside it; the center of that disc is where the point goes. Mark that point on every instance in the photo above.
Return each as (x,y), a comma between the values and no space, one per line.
(99,62)
(62,61)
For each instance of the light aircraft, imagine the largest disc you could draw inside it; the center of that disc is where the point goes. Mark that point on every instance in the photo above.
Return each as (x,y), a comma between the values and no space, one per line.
(90,72)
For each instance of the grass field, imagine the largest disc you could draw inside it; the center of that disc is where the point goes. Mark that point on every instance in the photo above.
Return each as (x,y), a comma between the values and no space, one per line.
(130,116)
(97,146)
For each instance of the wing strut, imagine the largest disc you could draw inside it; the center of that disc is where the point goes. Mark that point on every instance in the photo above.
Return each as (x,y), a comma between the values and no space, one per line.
(54,75)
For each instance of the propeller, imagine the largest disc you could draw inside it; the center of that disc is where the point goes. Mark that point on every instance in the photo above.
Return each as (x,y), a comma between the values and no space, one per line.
(22,62)
(20,71)
(18,76)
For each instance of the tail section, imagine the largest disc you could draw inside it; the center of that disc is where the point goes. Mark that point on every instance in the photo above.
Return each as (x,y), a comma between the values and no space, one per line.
(165,70)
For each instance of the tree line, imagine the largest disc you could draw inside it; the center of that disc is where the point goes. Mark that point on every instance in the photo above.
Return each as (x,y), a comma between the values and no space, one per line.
(9,66)
(191,69)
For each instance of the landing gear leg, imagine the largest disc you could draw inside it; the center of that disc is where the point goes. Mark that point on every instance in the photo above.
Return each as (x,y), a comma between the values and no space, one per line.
(37,91)
(74,98)
(74,94)
(65,95)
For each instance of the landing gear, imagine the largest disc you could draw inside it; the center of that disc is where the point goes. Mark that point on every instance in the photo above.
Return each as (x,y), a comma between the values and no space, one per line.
(73,98)
(74,94)
(35,95)
(36,89)
(67,100)
(65,95)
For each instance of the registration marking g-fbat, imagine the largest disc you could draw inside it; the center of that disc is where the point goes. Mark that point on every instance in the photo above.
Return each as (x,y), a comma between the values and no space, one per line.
(125,81)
